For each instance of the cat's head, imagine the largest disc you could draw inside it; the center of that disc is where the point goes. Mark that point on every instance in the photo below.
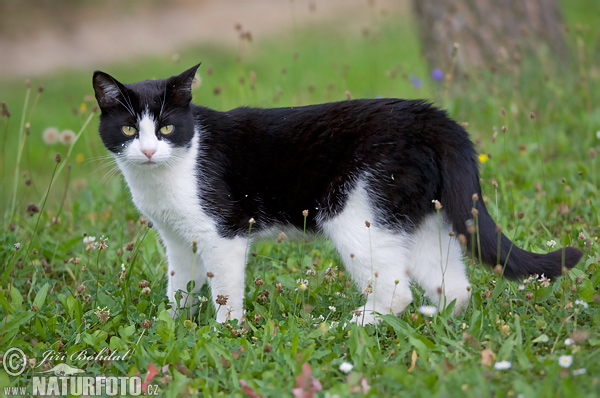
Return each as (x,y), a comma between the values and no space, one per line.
(148,123)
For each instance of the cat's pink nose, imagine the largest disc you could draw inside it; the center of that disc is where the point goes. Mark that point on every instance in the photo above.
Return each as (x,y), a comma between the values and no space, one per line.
(149,152)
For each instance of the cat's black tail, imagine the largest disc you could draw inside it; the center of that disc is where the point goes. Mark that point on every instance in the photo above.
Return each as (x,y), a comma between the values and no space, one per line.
(460,181)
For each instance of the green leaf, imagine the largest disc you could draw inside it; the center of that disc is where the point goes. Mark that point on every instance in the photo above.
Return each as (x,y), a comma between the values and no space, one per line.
(15,322)
(116,344)
(40,330)
(142,306)
(587,290)
(543,338)
(16,299)
(127,331)
(40,297)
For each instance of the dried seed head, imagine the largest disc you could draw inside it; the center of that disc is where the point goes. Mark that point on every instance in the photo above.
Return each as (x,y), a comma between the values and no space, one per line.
(498,228)
(304,213)
(210,274)
(475,197)
(498,269)
(258,282)
(529,296)
(5,111)
(474,212)
(143,284)
(495,184)
(532,115)
(368,224)
(348,95)
(146,324)
(57,158)
(462,240)
(503,111)
(221,299)
(281,237)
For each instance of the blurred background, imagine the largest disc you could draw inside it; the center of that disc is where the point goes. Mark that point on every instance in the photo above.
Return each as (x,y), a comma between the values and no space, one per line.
(472,57)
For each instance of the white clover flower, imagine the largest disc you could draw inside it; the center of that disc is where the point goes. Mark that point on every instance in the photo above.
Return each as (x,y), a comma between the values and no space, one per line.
(123,267)
(565,361)
(598,134)
(502,365)
(346,367)
(569,341)
(311,271)
(302,284)
(581,303)
(89,239)
(577,372)
(521,287)
(427,310)
(551,243)
(332,308)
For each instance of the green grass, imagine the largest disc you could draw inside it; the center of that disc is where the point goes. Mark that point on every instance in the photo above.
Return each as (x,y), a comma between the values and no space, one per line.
(44,307)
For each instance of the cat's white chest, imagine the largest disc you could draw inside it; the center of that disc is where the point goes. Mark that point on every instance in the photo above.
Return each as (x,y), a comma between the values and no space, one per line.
(168,196)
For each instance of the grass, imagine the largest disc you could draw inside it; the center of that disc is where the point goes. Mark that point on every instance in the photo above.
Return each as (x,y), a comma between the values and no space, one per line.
(540,181)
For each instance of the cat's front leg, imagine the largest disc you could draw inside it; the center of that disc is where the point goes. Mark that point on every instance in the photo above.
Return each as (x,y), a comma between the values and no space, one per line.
(184,267)
(225,263)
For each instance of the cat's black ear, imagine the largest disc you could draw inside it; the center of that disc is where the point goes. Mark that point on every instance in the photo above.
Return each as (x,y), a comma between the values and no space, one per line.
(179,88)
(109,92)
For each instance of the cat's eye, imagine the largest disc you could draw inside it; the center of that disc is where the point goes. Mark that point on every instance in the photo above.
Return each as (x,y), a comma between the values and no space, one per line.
(128,130)
(168,129)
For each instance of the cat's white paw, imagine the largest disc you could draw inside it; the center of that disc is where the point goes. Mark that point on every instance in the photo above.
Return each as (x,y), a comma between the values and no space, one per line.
(361,317)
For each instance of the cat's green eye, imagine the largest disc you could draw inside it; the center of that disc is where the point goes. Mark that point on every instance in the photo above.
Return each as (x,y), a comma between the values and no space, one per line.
(168,129)
(128,130)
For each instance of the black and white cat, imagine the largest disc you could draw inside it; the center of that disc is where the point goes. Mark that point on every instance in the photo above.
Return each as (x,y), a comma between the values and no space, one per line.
(201,175)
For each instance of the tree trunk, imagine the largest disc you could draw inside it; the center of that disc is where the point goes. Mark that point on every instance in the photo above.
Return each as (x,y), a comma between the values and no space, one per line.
(489,32)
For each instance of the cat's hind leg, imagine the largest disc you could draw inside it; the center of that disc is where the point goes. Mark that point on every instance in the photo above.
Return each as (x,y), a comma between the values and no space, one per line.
(376,257)
(436,263)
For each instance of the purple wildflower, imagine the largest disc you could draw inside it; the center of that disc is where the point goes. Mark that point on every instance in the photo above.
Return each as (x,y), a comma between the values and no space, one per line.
(437,74)
(415,81)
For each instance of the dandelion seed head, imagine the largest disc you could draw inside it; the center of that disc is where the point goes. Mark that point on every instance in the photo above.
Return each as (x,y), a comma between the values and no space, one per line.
(51,135)
(67,137)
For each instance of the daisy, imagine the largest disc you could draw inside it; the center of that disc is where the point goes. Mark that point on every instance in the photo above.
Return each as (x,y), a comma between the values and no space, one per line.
(565,361)
(427,310)
(346,367)
(502,365)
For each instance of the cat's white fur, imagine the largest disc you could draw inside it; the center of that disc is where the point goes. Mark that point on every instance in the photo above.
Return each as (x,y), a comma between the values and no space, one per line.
(165,192)
(381,262)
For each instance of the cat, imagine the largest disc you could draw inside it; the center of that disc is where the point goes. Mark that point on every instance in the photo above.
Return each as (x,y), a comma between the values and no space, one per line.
(393,183)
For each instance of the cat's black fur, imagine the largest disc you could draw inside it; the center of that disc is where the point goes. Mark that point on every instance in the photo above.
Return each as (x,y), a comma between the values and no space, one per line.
(270,164)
